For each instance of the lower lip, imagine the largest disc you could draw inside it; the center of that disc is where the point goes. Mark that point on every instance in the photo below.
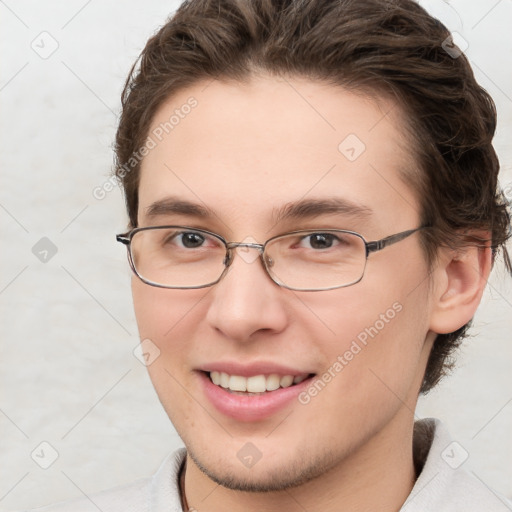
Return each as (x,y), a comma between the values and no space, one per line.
(250,407)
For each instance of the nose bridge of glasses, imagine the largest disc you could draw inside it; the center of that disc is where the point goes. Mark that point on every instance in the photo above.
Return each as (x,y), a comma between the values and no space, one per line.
(231,246)
(251,245)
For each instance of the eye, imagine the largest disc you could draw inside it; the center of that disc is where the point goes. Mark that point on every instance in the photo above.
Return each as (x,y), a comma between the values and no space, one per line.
(319,241)
(190,240)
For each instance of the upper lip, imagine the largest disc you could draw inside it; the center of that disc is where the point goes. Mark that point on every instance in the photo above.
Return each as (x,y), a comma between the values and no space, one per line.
(255,368)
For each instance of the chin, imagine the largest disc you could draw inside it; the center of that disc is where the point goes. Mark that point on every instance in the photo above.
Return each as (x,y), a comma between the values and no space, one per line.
(285,475)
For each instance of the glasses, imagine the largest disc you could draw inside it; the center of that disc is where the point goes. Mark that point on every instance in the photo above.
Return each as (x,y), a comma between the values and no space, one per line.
(306,260)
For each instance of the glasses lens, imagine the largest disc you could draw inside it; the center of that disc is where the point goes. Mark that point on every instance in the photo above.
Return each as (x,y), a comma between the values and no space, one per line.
(177,257)
(316,260)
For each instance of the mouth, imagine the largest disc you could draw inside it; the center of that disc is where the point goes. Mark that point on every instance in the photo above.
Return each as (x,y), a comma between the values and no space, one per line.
(255,385)
(252,391)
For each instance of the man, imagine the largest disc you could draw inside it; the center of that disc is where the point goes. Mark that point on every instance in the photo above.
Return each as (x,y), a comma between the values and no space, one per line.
(313,205)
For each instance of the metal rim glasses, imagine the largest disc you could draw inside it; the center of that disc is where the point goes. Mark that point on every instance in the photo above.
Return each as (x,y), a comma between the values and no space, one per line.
(307,260)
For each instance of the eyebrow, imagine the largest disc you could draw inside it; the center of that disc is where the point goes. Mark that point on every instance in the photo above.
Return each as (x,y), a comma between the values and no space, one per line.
(299,210)
(173,205)
(309,208)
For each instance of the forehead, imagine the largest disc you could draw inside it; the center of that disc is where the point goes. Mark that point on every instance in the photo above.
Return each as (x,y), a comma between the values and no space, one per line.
(245,150)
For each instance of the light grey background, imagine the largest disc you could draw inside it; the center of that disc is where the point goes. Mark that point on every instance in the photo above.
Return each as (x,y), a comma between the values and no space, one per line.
(68,373)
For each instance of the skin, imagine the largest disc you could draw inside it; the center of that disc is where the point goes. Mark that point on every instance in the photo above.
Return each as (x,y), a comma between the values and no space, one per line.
(244,151)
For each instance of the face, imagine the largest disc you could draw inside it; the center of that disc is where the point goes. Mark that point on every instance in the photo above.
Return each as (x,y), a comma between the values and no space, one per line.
(244,155)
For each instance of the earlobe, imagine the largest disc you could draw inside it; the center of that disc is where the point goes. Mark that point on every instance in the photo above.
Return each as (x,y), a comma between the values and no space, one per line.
(460,277)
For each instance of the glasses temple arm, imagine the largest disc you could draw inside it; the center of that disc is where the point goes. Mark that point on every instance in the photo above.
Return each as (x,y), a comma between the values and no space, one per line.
(377,245)
(124,239)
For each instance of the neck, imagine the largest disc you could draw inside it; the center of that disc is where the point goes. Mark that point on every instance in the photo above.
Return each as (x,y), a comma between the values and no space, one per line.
(379,475)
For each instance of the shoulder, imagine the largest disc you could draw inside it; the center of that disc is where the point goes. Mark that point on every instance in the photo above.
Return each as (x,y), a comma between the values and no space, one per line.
(446,483)
(143,495)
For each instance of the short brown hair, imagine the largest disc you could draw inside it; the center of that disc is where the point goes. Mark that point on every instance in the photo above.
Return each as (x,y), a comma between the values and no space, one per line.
(382,47)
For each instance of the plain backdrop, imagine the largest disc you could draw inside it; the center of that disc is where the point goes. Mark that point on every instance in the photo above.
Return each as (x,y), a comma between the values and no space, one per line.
(69,377)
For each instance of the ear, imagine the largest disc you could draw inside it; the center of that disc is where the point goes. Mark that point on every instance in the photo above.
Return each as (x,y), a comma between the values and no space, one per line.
(460,278)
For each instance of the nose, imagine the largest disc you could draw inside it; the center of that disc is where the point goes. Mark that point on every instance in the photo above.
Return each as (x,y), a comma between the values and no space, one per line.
(246,301)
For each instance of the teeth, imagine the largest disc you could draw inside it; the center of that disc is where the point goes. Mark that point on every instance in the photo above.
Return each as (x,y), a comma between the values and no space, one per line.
(256,383)
(286,381)
(224,380)
(273,382)
(237,383)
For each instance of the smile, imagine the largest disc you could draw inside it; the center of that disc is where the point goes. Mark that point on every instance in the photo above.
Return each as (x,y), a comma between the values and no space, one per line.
(256,384)
(256,396)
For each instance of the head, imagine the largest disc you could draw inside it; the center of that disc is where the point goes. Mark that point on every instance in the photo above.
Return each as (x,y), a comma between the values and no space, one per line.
(239,112)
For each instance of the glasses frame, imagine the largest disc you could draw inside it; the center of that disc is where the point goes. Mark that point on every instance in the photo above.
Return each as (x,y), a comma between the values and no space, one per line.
(372,246)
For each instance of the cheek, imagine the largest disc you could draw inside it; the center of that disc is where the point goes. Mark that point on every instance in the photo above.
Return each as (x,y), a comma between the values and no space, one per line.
(166,317)
(159,311)
(171,320)
(373,364)
(151,310)
(376,328)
